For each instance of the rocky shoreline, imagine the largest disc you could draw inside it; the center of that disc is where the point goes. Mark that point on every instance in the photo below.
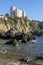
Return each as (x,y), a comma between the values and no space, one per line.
(15,60)
(17,32)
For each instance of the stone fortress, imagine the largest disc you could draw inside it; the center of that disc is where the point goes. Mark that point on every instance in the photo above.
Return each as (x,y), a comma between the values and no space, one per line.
(17,12)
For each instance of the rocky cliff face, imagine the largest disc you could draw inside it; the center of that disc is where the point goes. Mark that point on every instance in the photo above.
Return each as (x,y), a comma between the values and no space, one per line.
(17,24)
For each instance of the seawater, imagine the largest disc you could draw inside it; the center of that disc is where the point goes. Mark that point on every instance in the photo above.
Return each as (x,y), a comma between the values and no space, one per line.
(37,47)
(31,48)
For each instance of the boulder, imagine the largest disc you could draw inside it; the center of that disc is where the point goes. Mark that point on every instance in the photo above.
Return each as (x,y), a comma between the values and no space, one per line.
(15,42)
(10,33)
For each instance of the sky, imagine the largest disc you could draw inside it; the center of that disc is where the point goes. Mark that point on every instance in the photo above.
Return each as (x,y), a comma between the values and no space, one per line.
(33,8)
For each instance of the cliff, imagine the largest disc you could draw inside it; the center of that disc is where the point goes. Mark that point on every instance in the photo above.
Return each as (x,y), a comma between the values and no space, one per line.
(18,29)
(14,25)
(17,24)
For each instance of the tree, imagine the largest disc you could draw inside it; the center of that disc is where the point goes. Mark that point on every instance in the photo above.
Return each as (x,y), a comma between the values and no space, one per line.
(6,14)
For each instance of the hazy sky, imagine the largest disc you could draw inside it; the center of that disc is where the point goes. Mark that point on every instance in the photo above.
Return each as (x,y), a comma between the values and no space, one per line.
(33,8)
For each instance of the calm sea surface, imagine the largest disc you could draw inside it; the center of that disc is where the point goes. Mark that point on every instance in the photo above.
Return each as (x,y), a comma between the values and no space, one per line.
(37,47)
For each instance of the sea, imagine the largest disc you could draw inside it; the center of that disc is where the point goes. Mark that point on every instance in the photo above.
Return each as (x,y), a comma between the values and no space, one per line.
(37,47)
(32,49)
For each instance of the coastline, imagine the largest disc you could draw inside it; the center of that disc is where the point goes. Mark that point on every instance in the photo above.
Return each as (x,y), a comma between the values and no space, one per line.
(12,60)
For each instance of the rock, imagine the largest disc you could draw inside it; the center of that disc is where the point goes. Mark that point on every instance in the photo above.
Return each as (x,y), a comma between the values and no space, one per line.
(17,63)
(15,42)
(24,41)
(39,57)
(9,42)
(10,33)
(3,35)
(14,63)
(24,64)
(17,24)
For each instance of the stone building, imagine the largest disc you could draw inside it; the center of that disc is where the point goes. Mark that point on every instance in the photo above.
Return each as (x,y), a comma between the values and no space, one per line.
(16,12)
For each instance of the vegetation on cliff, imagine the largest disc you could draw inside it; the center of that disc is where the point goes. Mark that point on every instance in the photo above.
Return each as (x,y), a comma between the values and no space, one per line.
(35,29)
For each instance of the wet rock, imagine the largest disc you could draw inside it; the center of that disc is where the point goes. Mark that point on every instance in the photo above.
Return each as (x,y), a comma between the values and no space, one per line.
(15,42)
(39,57)
(24,41)
(4,36)
(18,36)
(9,42)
